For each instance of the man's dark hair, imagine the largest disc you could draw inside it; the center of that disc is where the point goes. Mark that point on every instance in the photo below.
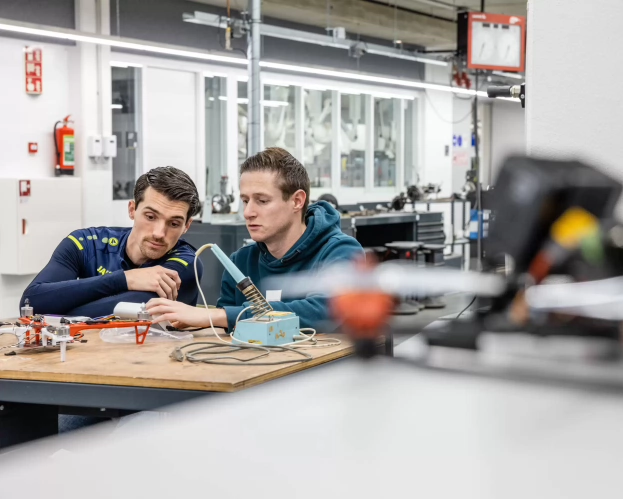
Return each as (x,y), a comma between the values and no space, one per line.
(172,183)
(291,173)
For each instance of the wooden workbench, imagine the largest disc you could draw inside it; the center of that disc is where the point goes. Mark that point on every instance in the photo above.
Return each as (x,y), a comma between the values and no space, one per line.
(148,365)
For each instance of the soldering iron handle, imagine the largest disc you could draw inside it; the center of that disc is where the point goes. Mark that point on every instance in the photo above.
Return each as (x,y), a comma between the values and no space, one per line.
(227,263)
(499,91)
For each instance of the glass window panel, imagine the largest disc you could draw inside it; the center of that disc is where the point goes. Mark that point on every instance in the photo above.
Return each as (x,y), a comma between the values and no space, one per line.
(125,125)
(243,121)
(279,117)
(410,143)
(318,136)
(353,140)
(215,132)
(385,135)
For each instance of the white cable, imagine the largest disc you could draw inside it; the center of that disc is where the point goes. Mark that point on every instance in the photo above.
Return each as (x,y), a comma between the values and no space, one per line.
(307,338)
(334,341)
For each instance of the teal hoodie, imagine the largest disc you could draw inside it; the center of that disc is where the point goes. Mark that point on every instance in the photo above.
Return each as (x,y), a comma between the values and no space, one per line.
(323,242)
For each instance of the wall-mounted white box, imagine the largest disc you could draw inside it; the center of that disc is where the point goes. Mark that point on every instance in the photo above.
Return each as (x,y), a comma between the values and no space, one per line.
(36,215)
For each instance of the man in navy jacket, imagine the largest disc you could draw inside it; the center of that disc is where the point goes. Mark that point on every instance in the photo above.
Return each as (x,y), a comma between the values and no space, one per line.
(94,269)
(289,236)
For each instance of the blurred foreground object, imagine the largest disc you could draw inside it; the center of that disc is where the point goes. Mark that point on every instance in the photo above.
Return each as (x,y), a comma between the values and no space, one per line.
(379,429)
(509,92)
(549,218)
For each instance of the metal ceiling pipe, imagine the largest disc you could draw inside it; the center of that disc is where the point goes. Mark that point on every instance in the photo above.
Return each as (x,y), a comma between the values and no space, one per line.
(254,88)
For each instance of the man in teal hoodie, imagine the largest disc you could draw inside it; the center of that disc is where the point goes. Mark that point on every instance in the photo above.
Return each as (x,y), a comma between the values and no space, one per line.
(289,235)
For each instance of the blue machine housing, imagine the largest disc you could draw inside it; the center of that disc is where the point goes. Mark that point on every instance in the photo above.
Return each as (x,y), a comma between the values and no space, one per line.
(274,328)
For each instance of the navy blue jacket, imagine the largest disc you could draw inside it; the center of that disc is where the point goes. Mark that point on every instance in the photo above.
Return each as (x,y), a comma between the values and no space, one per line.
(323,242)
(85,275)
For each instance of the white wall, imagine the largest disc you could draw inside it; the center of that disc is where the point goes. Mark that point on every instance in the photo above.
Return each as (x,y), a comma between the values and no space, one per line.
(461,152)
(30,118)
(508,133)
(90,87)
(437,132)
(573,105)
(170,120)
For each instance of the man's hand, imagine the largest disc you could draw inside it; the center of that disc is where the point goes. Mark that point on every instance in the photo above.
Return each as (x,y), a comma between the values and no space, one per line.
(164,282)
(182,315)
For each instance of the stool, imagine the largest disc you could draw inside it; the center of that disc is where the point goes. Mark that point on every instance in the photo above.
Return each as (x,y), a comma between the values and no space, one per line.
(381,253)
(407,250)
(433,254)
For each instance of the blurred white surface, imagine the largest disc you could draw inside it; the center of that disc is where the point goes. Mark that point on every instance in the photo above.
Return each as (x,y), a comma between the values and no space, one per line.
(351,429)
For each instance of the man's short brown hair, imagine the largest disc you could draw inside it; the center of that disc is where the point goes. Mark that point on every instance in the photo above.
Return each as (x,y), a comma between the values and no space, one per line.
(172,183)
(291,173)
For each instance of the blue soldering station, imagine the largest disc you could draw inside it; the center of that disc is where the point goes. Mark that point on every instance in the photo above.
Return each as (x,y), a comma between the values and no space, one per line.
(267,326)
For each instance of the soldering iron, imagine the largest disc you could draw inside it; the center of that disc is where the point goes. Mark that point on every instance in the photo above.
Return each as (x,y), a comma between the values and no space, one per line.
(267,326)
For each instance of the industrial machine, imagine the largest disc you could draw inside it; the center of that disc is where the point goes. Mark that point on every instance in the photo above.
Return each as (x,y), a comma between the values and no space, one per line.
(221,203)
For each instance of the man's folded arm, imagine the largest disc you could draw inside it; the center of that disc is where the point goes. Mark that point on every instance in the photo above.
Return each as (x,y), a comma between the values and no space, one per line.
(105,306)
(57,289)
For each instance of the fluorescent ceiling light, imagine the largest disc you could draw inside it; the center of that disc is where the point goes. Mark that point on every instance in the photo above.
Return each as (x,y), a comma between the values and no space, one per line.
(210,74)
(125,43)
(77,36)
(368,78)
(265,103)
(378,95)
(116,106)
(275,103)
(210,98)
(117,64)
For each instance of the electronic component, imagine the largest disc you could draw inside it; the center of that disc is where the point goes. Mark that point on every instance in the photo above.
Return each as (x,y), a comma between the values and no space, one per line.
(34,331)
(266,327)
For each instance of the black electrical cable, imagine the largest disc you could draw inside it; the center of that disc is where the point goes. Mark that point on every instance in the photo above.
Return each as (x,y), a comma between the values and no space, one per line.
(216,348)
(58,154)
(220,42)
(468,305)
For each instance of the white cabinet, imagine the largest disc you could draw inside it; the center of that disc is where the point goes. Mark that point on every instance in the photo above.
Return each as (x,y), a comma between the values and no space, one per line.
(35,215)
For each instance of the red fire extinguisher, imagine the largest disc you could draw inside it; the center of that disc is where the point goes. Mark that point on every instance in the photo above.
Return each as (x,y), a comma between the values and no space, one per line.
(65,152)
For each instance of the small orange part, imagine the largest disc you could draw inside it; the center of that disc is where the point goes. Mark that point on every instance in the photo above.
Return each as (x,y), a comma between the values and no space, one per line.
(363,313)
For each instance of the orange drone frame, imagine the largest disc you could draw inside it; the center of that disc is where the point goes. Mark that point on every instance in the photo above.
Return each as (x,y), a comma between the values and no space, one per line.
(36,323)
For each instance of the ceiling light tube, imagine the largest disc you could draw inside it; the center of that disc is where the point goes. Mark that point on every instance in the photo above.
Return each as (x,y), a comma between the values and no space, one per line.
(368,78)
(118,64)
(124,43)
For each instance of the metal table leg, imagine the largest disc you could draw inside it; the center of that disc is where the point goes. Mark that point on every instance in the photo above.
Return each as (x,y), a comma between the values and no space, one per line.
(389,343)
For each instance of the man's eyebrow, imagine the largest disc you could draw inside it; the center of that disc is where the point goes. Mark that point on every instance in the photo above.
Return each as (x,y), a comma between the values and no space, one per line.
(158,213)
(255,194)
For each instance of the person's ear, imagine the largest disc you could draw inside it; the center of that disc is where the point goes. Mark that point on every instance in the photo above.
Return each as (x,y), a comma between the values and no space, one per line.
(190,221)
(298,199)
(131,209)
